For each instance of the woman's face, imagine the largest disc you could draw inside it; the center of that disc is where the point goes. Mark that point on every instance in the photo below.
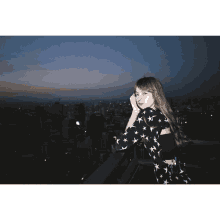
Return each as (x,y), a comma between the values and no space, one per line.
(144,98)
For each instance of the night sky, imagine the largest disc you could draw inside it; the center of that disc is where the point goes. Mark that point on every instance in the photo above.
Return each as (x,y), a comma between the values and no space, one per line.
(85,67)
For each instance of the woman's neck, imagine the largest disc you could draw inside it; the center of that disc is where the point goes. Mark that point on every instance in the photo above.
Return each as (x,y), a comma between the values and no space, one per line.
(153,107)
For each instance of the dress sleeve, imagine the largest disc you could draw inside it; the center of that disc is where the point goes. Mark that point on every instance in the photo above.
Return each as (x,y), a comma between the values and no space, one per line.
(132,135)
(156,122)
(156,119)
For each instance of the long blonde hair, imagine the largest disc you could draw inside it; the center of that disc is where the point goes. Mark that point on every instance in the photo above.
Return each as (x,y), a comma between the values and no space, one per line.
(154,86)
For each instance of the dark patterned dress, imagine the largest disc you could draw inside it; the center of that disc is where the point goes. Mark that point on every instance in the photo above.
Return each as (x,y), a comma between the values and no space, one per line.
(156,121)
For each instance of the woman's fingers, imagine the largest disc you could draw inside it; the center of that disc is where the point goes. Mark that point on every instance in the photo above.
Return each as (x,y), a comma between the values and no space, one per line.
(133,103)
(170,162)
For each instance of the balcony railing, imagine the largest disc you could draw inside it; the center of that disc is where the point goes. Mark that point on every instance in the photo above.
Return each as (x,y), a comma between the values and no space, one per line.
(118,168)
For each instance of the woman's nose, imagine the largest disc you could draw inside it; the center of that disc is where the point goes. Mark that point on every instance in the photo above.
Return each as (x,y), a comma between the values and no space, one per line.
(138,99)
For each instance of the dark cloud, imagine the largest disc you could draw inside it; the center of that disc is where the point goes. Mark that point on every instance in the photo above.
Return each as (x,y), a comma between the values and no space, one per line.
(184,65)
(4,67)
(3,41)
(8,94)
(2,44)
(210,87)
(73,94)
(166,80)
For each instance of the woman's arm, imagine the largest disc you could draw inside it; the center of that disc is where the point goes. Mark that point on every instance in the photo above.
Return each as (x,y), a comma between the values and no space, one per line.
(134,114)
(132,135)
(132,119)
(129,133)
(132,129)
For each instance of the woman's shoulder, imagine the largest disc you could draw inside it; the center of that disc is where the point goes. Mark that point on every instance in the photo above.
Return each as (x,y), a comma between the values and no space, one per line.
(154,116)
(151,112)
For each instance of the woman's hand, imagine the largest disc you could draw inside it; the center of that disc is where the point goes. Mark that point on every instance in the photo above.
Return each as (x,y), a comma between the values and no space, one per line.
(170,162)
(134,104)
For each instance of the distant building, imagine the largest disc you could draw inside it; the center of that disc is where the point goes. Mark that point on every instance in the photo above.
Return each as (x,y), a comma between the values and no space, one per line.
(96,124)
(95,127)
(103,111)
(79,112)
(57,108)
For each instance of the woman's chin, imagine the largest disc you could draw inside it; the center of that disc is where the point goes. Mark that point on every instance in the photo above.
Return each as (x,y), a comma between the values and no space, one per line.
(141,106)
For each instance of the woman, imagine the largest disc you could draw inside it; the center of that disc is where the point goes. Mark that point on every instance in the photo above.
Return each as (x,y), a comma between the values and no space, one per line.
(153,122)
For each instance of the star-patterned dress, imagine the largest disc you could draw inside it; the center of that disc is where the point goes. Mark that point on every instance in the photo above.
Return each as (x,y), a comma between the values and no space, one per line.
(156,121)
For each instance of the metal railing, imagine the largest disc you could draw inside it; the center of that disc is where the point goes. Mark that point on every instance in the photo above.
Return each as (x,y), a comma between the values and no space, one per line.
(118,168)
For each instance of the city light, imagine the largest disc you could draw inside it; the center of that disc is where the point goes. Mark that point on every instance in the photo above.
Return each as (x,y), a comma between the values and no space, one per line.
(77,123)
